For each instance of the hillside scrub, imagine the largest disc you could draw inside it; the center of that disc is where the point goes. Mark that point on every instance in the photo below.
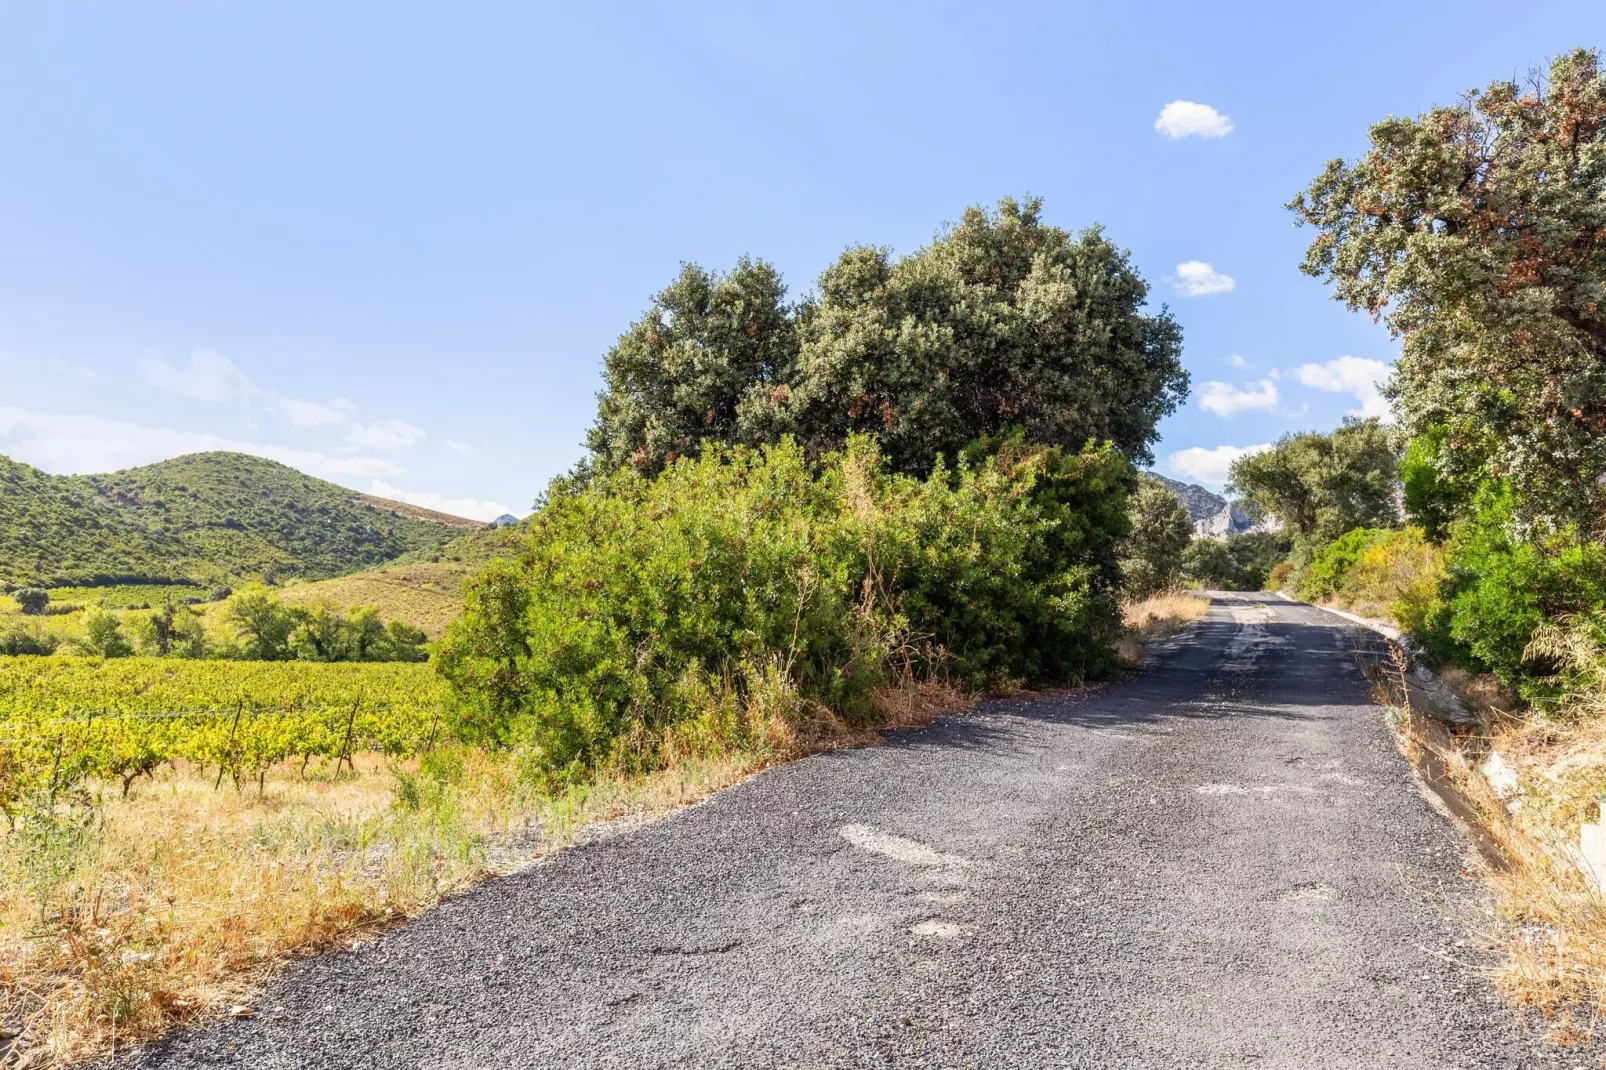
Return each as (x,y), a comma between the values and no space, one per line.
(202,518)
(748,595)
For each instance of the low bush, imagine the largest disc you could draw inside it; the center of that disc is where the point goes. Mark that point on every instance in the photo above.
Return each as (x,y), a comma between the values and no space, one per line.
(1331,564)
(1241,562)
(1400,576)
(748,592)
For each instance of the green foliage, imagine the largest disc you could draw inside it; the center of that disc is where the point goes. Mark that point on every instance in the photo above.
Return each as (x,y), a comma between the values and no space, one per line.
(1501,587)
(1477,229)
(1241,562)
(1001,322)
(1400,576)
(1323,485)
(32,600)
(18,642)
(64,719)
(1432,501)
(103,634)
(1332,563)
(206,517)
(269,630)
(748,586)
(699,365)
(1151,555)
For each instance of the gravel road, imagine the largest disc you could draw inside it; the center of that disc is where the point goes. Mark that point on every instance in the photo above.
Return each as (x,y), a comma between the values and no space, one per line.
(1221,863)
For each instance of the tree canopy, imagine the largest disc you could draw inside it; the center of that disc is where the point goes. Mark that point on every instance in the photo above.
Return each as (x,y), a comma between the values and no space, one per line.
(1151,554)
(1001,322)
(1477,232)
(1321,485)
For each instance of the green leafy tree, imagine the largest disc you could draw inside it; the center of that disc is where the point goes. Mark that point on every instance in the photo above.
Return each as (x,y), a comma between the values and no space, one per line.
(1240,562)
(264,624)
(103,633)
(1208,563)
(1151,557)
(703,363)
(1001,322)
(1478,233)
(1321,485)
(32,600)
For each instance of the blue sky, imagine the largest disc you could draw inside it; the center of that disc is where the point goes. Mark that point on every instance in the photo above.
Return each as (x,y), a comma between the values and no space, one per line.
(390,243)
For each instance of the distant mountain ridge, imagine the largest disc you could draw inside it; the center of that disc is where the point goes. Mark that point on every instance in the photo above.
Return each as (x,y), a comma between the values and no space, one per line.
(1213,516)
(202,518)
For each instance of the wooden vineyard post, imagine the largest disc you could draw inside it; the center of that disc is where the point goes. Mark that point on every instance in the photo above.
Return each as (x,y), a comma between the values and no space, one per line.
(345,745)
(228,746)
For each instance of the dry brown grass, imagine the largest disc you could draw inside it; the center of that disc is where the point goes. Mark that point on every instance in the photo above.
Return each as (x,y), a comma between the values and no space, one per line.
(427,595)
(1549,930)
(179,900)
(1555,932)
(1157,617)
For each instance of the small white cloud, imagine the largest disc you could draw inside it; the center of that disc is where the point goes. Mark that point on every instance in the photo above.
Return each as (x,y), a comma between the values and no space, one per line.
(75,444)
(209,376)
(472,508)
(1184,118)
(460,447)
(1196,278)
(315,414)
(1358,376)
(1227,401)
(1237,362)
(385,435)
(1212,465)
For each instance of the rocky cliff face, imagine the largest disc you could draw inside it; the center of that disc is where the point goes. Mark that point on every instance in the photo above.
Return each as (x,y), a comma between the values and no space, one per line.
(1228,520)
(1200,503)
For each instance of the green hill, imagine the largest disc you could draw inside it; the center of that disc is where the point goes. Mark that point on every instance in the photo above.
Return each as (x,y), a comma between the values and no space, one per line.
(425,589)
(206,518)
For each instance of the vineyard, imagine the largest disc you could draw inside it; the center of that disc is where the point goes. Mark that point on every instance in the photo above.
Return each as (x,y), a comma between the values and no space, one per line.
(66,720)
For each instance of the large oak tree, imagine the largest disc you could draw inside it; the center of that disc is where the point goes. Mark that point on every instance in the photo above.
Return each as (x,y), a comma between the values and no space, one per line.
(1001,322)
(1477,232)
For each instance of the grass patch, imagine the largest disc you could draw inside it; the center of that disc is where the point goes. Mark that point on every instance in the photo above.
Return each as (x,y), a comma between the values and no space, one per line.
(1155,618)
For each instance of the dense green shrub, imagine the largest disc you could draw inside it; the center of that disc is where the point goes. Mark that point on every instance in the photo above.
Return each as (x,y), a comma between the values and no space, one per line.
(748,587)
(1332,563)
(1502,587)
(18,641)
(32,600)
(1400,576)
(1151,555)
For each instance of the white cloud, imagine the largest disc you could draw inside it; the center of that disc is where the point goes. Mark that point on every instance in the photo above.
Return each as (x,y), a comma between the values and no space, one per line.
(1358,376)
(460,447)
(209,376)
(472,508)
(1227,401)
(314,414)
(1237,362)
(385,435)
(1184,118)
(1212,465)
(67,444)
(1195,278)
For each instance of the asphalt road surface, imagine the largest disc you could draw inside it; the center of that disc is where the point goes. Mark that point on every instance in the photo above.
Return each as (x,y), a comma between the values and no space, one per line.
(1221,863)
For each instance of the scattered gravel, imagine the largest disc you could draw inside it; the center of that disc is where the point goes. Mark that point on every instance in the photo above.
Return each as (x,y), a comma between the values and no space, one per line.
(1222,863)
